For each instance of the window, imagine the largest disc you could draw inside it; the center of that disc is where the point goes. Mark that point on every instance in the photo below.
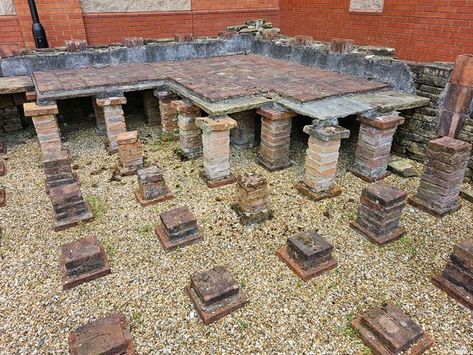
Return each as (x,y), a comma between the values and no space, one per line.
(366,5)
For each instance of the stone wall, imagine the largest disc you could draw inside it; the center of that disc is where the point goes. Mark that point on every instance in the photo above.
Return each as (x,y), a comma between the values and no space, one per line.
(98,6)
(7,8)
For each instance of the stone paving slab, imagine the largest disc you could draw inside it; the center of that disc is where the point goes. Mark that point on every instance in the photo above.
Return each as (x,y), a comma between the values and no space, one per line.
(15,84)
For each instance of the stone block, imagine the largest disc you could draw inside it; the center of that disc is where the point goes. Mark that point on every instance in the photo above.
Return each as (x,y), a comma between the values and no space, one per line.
(131,42)
(152,187)
(457,277)
(300,40)
(183,37)
(380,212)
(178,228)
(342,46)
(308,255)
(82,260)
(270,33)
(31,109)
(215,294)
(76,45)
(388,330)
(109,335)
(402,167)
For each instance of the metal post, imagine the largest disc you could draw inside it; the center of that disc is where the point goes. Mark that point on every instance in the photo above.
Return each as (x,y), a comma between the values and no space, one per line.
(39,34)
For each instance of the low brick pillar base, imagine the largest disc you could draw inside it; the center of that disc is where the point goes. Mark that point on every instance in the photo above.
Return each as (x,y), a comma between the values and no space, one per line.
(275,138)
(151,108)
(45,123)
(57,167)
(457,277)
(131,156)
(374,146)
(445,164)
(379,213)
(308,255)
(114,120)
(109,335)
(152,187)
(215,294)
(252,199)
(178,229)
(388,330)
(69,206)
(321,162)
(100,126)
(243,136)
(190,135)
(81,261)
(10,116)
(168,112)
(216,142)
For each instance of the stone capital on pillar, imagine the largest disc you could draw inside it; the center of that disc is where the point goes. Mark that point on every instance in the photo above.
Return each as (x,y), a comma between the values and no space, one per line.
(111,101)
(374,146)
(216,144)
(165,95)
(321,162)
(274,114)
(32,109)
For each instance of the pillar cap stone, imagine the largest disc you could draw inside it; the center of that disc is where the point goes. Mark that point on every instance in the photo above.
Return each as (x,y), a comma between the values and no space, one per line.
(327,134)
(222,123)
(185,107)
(111,101)
(273,114)
(165,94)
(449,145)
(382,122)
(32,109)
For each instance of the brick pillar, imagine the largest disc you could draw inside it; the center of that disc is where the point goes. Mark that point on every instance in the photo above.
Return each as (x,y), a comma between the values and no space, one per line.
(374,146)
(275,138)
(321,162)
(131,156)
(10,117)
(45,123)
(243,136)
(190,136)
(100,126)
(216,142)
(168,112)
(151,109)
(114,119)
(445,164)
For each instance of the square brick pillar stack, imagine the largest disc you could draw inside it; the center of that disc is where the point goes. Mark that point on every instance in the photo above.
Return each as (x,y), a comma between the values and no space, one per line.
(190,136)
(374,146)
(131,156)
(243,136)
(45,123)
(457,277)
(10,117)
(100,126)
(151,108)
(275,138)
(58,170)
(216,142)
(152,187)
(168,112)
(252,199)
(69,206)
(445,164)
(379,213)
(321,162)
(114,119)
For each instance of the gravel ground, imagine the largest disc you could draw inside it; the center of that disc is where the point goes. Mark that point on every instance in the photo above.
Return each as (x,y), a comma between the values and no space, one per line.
(284,315)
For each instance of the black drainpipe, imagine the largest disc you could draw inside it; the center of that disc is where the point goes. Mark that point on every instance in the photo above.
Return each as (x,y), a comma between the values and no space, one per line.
(39,34)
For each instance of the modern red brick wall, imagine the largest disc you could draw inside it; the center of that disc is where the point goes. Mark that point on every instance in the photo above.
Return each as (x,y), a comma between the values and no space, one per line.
(420,30)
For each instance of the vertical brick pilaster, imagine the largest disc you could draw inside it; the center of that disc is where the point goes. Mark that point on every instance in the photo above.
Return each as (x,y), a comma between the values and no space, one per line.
(243,136)
(45,123)
(129,149)
(114,119)
(100,126)
(275,139)
(374,146)
(445,164)
(151,109)
(190,135)
(168,112)
(321,162)
(216,146)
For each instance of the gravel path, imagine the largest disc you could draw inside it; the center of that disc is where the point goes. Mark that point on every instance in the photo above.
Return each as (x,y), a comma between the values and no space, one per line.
(284,315)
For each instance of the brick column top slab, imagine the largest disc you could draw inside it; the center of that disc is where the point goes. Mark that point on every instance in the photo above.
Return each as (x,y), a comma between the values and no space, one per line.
(165,94)
(32,109)
(111,101)
(185,107)
(208,124)
(273,114)
(327,133)
(382,122)
(449,145)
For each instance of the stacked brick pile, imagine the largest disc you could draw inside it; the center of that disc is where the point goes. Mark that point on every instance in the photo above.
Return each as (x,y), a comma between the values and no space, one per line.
(243,136)
(168,112)
(10,117)
(457,277)
(152,186)
(252,199)
(100,126)
(374,146)
(151,108)
(57,167)
(190,135)
(379,213)
(114,119)
(129,149)
(444,169)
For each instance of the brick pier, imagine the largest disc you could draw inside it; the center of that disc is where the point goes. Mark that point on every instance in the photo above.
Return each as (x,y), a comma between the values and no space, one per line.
(168,111)
(243,136)
(114,119)
(151,108)
(190,135)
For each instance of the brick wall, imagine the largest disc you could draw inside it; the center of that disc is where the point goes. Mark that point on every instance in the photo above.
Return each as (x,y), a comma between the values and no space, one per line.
(421,30)
(11,37)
